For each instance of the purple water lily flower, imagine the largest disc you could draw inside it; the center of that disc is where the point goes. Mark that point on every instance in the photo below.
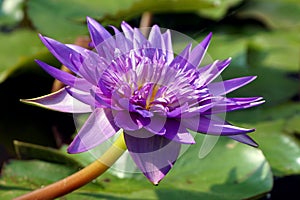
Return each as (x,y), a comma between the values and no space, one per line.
(136,84)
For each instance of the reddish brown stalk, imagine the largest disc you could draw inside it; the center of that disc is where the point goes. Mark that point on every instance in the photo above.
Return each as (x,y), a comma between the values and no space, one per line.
(145,22)
(81,177)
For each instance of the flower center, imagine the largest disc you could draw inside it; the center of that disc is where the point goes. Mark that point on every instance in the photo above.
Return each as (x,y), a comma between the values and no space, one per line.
(146,95)
(152,95)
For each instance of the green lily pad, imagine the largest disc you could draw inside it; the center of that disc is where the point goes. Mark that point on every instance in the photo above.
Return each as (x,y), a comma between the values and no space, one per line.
(24,80)
(273,83)
(230,171)
(224,46)
(21,176)
(15,48)
(256,115)
(279,14)
(65,19)
(52,17)
(229,166)
(276,133)
(214,9)
(26,150)
(219,10)
(11,13)
(277,49)
(292,125)
(281,150)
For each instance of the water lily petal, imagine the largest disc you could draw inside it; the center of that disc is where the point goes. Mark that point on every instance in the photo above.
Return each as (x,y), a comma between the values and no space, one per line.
(61,51)
(130,121)
(98,128)
(101,38)
(98,33)
(157,125)
(78,49)
(60,101)
(213,125)
(199,51)
(127,30)
(231,104)
(105,102)
(208,73)
(197,109)
(125,104)
(244,139)
(65,77)
(225,87)
(176,131)
(171,129)
(168,45)
(90,67)
(179,111)
(156,39)
(139,40)
(180,61)
(122,43)
(84,97)
(154,155)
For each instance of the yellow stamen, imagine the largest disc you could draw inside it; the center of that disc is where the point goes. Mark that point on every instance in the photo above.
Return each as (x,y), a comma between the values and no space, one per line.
(151,97)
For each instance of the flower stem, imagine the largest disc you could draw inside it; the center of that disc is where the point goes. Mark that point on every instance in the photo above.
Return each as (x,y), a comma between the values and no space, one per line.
(81,177)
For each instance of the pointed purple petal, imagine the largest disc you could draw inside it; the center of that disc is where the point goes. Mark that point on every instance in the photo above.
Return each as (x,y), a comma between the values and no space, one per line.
(168,45)
(242,100)
(84,97)
(231,108)
(130,121)
(175,131)
(199,51)
(171,129)
(60,101)
(153,154)
(210,72)
(197,109)
(181,60)
(61,51)
(157,125)
(244,139)
(178,111)
(155,38)
(85,70)
(127,30)
(98,33)
(66,77)
(77,48)
(83,52)
(102,40)
(88,63)
(98,128)
(139,40)
(104,101)
(213,125)
(122,43)
(225,87)
(231,104)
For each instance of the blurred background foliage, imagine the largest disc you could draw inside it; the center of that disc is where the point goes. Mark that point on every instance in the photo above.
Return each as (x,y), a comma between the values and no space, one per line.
(261,36)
